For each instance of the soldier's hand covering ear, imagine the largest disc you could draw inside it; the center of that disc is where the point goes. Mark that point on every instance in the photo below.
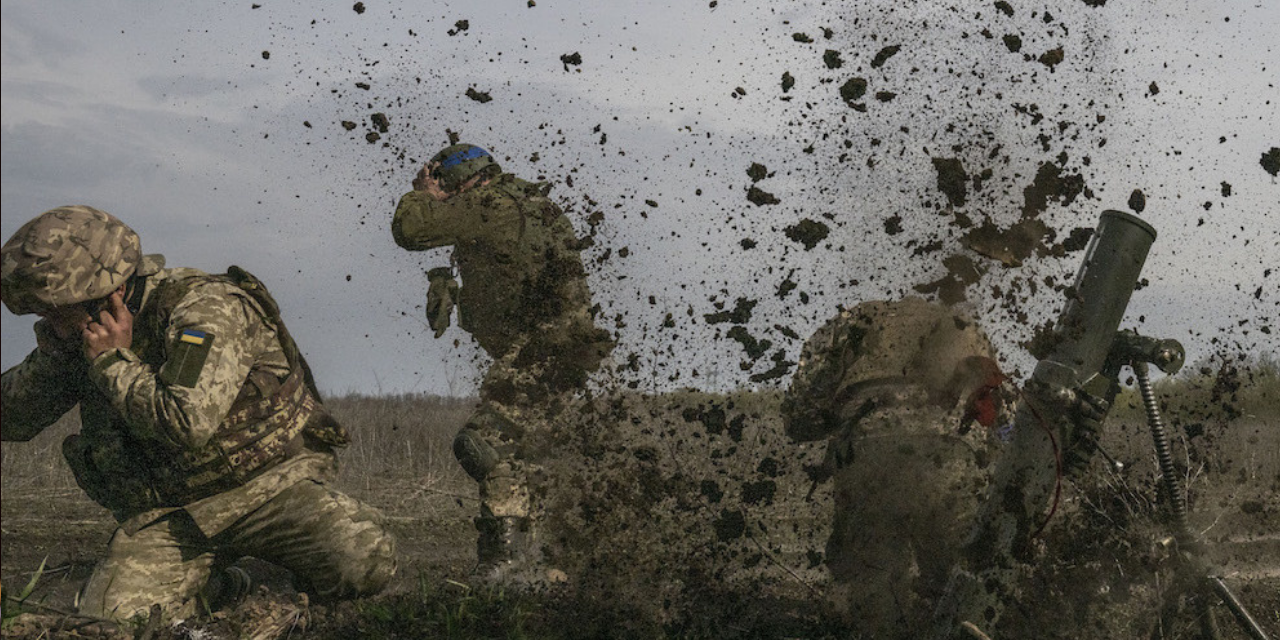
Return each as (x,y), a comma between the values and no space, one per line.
(420,180)
(112,329)
(427,182)
(442,295)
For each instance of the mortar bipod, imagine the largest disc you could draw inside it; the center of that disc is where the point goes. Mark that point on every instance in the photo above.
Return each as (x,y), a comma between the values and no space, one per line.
(1168,355)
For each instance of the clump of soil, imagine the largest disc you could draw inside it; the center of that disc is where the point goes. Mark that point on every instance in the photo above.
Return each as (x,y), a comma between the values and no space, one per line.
(952,180)
(760,197)
(1271,161)
(1011,246)
(754,347)
(571,59)
(962,271)
(807,232)
(740,314)
(479,96)
(1078,239)
(1051,183)
(1052,58)
(1137,201)
(852,90)
(459,27)
(883,55)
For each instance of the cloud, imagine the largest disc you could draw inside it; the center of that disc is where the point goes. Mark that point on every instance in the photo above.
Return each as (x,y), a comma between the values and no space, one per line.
(202,144)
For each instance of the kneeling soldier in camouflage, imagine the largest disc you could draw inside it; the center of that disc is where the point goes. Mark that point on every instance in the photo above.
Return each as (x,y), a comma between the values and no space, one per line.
(897,387)
(201,427)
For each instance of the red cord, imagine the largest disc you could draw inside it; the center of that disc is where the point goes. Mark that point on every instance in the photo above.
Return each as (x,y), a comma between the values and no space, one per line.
(1057,461)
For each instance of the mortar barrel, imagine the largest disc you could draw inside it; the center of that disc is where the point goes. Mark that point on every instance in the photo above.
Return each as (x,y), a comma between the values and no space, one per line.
(1100,296)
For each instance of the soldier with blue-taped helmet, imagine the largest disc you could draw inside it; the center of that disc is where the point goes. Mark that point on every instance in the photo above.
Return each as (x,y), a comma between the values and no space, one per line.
(524,298)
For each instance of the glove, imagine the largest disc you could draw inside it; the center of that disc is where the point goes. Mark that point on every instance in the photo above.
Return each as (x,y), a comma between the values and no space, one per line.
(1080,425)
(441,297)
(1085,430)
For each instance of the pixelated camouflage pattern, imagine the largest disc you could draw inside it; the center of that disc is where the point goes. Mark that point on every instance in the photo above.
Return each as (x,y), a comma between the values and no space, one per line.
(335,546)
(520,265)
(524,298)
(141,439)
(267,420)
(886,383)
(65,256)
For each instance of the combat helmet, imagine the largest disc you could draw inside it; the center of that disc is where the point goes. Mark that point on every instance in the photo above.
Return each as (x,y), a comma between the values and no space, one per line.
(66,256)
(459,163)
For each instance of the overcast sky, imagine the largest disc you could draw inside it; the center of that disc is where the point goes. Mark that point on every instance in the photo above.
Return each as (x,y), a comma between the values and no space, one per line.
(216,132)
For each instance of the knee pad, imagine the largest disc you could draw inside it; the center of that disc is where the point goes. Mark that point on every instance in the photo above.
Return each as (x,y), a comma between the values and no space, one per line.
(477,457)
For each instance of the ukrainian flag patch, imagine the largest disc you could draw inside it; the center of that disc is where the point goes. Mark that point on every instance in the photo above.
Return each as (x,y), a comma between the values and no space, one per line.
(191,336)
(187,356)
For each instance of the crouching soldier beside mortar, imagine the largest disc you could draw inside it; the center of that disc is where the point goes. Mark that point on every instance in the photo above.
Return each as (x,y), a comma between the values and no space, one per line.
(201,427)
(525,300)
(909,395)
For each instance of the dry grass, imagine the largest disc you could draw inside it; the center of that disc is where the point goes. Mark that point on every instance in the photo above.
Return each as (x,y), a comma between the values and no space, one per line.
(38,465)
(400,436)
(686,465)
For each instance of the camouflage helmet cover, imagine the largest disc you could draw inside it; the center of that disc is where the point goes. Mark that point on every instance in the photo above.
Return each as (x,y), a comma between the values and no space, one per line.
(458,163)
(66,256)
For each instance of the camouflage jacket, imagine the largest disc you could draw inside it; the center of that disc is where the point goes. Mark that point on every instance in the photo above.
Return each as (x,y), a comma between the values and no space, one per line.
(881,355)
(519,260)
(158,404)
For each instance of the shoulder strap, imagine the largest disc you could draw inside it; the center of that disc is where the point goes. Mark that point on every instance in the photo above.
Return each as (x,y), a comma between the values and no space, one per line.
(258,291)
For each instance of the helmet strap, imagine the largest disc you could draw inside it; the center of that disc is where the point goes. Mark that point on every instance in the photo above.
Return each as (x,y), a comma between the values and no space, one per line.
(134,287)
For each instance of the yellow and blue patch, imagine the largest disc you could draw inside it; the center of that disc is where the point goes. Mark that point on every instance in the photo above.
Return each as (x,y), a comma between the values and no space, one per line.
(186,358)
(191,336)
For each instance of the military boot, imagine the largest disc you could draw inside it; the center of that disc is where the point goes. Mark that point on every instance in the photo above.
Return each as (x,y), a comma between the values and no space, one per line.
(508,554)
(227,589)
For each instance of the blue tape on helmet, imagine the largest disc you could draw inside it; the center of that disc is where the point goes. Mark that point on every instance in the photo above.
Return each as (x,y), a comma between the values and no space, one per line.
(463,156)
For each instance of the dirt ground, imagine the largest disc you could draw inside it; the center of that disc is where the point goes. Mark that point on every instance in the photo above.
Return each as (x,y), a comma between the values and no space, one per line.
(704,539)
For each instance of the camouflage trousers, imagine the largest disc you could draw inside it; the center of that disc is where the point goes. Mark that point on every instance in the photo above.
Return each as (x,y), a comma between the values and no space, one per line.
(906,489)
(521,399)
(507,487)
(335,546)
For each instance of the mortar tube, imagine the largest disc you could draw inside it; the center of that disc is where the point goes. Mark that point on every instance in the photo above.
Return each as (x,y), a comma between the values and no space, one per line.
(1027,473)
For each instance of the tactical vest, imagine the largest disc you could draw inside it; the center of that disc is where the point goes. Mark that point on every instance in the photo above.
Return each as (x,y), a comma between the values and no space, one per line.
(269,421)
